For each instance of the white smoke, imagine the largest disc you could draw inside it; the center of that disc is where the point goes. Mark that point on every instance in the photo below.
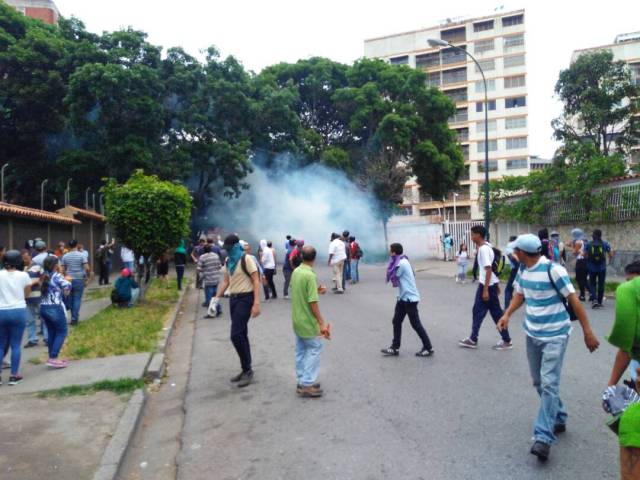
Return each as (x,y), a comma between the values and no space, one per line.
(307,202)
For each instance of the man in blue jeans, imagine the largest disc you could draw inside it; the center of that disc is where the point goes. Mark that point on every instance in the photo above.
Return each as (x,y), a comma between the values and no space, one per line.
(543,286)
(76,267)
(597,252)
(488,293)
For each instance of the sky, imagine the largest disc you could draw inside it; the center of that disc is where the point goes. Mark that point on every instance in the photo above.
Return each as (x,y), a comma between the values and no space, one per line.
(260,32)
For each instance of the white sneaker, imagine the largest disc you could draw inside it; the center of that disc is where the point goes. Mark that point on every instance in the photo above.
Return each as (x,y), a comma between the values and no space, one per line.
(502,345)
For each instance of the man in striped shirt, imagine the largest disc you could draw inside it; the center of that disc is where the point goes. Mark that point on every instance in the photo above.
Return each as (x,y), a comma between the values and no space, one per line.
(543,286)
(210,270)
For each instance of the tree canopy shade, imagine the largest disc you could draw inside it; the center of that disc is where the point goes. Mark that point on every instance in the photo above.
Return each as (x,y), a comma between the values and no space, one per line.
(148,215)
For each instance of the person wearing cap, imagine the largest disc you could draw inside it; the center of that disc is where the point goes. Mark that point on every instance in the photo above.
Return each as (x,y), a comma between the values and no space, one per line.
(543,287)
(126,290)
(487,299)
(41,253)
(242,278)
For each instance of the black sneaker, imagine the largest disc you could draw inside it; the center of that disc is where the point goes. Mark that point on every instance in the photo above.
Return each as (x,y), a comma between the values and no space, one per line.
(247,378)
(15,380)
(237,378)
(559,428)
(390,352)
(425,353)
(31,344)
(541,450)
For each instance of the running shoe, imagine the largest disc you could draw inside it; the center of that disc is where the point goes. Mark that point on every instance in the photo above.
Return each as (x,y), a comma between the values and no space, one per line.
(15,380)
(468,343)
(502,345)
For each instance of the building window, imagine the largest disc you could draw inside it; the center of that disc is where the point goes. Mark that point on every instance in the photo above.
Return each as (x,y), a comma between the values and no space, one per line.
(513,42)
(480,105)
(461,115)
(493,166)
(514,20)
(511,123)
(454,35)
(403,60)
(487,65)
(515,102)
(516,143)
(514,82)
(456,75)
(483,26)
(493,146)
(434,79)
(453,55)
(482,46)
(635,73)
(491,86)
(463,134)
(517,163)
(492,125)
(514,61)
(457,95)
(428,59)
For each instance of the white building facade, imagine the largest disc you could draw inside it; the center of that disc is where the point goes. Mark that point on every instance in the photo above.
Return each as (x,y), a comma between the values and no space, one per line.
(498,43)
(626,47)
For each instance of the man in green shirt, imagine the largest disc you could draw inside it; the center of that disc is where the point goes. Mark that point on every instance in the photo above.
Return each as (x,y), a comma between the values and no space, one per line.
(308,324)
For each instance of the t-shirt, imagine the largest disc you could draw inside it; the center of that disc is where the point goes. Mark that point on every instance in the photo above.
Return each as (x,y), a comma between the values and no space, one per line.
(593,266)
(73,263)
(485,259)
(337,249)
(268,259)
(126,254)
(55,292)
(304,291)
(408,291)
(12,285)
(240,282)
(546,317)
(463,257)
(448,243)
(211,267)
(40,258)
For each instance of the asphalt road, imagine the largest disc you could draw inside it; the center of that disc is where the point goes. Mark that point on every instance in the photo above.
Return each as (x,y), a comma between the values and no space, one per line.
(459,415)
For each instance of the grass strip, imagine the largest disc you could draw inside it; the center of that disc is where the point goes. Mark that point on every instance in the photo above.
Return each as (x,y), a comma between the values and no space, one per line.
(119,387)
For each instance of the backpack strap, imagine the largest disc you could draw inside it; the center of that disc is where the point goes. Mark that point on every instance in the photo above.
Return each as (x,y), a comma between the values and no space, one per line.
(243,264)
(568,308)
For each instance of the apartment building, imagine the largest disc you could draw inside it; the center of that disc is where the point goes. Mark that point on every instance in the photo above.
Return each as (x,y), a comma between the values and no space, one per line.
(44,10)
(498,42)
(625,47)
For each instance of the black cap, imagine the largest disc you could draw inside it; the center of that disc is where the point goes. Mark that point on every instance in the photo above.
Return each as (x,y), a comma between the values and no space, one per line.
(13,258)
(230,241)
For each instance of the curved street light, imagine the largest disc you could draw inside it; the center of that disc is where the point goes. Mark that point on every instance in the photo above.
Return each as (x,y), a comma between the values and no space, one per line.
(436,42)
(86,198)
(44,182)
(67,193)
(2,181)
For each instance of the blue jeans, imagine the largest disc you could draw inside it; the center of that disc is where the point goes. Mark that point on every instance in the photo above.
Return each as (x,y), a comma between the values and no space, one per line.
(210,292)
(596,285)
(545,363)
(12,325)
(462,272)
(33,312)
(77,289)
(307,360)
(55,318)
(355,274)
(480,309)
(128,265)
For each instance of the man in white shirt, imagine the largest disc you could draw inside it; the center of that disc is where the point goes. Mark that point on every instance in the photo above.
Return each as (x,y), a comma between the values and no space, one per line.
(488,293)
(128,258)
(337,256)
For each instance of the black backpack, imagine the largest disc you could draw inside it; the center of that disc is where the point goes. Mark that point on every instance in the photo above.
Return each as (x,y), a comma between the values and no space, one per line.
(497,266)
(596,252)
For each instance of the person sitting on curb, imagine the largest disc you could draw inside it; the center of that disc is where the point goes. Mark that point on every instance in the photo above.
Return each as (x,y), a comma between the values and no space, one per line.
(126,290)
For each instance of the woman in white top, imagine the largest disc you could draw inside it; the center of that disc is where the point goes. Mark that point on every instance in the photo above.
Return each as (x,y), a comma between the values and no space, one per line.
(463,261)
(579,240)
(15,287)
(268,261)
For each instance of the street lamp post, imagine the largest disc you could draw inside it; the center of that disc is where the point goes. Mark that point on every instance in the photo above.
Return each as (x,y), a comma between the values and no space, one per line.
(2,181)
(67,194)
(436,42)
(86,198)
(455,216)
(44,182)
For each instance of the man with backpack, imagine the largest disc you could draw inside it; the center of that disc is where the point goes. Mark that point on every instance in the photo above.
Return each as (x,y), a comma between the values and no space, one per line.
(488,292)
(543,286)
(356,255)
(597,252)
(242,278)
(287,269)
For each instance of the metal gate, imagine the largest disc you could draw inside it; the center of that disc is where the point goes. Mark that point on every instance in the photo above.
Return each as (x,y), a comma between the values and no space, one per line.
(461,232)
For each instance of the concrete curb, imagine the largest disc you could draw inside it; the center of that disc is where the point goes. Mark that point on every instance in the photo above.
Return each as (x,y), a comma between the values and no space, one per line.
(114,453)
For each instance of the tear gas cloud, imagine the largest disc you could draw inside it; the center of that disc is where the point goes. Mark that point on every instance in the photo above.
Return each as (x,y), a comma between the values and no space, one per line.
(308,202)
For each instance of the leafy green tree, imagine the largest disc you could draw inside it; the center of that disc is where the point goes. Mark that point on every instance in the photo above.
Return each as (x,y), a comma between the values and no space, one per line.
(148,215)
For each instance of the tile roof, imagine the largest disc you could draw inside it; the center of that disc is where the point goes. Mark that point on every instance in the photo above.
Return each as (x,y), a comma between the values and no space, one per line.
(82,213)
(10,210)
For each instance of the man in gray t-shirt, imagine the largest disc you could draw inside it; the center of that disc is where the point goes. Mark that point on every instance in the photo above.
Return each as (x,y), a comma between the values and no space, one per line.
(76,266)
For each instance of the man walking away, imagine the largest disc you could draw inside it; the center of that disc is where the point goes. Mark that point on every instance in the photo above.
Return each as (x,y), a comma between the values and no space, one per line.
(308,324)
(488,292)
(515,265)
(337,256)
(401,276)
(128,258)
(356,255)
(597,252)
(268,260)
(580,253)
(104,255)
(242,278)
(180,260)
(287,269)
(346,271)
(76,266)
(543,286)
(195,255)
(448,247)
(41,255)
(210,268)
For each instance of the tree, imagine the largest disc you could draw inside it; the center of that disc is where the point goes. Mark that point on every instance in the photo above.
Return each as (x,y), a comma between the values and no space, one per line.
(148,215)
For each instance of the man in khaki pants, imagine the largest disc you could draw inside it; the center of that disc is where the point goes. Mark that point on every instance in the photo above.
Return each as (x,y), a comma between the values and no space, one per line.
(337,256)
